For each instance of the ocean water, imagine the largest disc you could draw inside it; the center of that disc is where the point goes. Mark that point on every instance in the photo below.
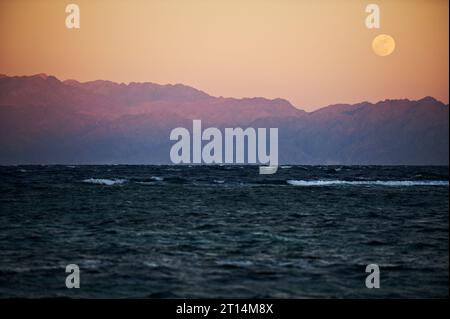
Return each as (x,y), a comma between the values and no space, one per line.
(224,231)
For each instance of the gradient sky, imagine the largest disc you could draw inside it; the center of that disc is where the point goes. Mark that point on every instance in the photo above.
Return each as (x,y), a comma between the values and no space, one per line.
(313,53)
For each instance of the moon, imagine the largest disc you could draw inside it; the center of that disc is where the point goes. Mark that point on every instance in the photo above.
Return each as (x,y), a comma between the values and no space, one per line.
(383,45)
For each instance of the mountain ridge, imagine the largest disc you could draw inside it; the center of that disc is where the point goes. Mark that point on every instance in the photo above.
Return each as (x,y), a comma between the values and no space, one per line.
(43,120)
(74,82)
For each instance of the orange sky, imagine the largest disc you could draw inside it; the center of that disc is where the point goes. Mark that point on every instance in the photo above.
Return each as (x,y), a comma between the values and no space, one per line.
(313,53)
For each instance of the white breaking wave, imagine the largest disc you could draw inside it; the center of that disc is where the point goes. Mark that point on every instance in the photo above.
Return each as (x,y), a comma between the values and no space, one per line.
(366,183)
(157,178)
(104,181)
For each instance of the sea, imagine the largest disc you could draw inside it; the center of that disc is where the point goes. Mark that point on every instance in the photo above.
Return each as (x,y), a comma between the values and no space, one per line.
(156,231)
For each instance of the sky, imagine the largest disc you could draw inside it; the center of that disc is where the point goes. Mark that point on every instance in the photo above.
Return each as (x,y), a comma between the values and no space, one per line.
(312,53)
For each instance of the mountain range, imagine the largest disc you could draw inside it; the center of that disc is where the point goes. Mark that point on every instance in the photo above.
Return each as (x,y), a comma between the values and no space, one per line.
(47,121)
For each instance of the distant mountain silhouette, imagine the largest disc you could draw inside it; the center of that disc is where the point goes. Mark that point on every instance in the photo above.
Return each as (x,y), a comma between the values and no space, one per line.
(44,120)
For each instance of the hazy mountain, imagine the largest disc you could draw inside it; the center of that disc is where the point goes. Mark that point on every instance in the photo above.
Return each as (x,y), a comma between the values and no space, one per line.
(44,120)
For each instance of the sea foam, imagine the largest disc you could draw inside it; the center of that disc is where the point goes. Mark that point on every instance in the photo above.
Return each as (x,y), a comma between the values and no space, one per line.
(104,181)
(366,183)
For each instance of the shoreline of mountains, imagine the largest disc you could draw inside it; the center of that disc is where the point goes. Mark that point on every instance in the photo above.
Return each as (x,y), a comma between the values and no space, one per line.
(47,121)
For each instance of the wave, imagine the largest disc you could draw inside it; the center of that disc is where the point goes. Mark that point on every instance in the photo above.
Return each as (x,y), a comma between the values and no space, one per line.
(271,182)
(366,183)
(176,180)
(234,263)
(146,183)
(147,180)
(104,181)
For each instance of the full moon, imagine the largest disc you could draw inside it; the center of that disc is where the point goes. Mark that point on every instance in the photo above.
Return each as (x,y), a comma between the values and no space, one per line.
(383,45)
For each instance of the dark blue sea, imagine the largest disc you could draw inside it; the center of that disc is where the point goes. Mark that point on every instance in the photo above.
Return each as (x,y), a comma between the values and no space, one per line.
(224,231)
